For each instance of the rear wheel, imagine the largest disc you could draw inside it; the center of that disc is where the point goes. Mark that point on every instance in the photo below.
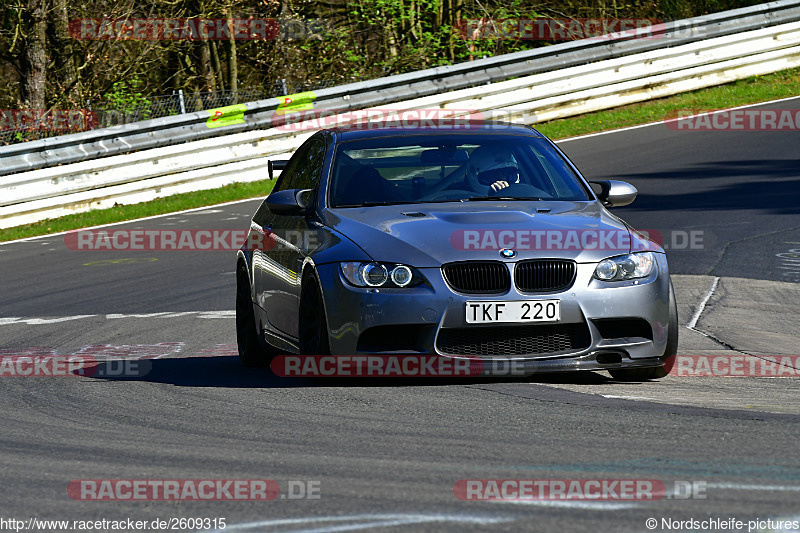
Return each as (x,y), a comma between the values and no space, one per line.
(251,353)
(313,328)
(642,374)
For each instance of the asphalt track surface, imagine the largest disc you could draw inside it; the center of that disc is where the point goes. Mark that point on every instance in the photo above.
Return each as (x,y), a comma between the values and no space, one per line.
(386,454)
(735,193)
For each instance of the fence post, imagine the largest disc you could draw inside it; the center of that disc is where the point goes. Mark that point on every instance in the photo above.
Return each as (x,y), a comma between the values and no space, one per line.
(180,99)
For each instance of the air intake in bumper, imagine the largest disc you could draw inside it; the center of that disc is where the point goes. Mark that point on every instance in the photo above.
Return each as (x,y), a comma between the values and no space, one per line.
(514,340)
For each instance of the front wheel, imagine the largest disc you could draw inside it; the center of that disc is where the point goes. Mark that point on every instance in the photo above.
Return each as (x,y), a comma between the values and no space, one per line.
(656,372)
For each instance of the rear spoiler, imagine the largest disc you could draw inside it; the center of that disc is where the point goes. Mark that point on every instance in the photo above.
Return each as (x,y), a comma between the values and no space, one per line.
(272,166)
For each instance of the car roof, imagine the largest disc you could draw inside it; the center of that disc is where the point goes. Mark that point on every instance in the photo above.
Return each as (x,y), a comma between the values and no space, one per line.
(479,128)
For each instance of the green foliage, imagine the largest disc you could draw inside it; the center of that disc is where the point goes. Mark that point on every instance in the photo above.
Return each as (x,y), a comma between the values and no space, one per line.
(367,39)
(126,97)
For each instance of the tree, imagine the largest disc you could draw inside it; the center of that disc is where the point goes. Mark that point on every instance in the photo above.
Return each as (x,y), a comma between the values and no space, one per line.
(34,58)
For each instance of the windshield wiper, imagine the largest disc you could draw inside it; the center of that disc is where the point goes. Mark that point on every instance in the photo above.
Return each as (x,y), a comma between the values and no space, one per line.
(487,198)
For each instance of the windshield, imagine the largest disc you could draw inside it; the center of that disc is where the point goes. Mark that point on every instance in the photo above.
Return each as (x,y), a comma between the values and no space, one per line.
(448,168)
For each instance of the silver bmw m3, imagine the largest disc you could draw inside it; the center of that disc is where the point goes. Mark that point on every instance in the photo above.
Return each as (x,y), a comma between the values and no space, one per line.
(478,242)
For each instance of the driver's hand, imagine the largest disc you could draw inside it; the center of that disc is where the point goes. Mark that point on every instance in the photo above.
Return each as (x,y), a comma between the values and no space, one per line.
(497,185)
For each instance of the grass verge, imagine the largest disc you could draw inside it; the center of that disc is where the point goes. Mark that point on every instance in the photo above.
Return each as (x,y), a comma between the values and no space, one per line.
(783,84)
(747,91)
(168,204)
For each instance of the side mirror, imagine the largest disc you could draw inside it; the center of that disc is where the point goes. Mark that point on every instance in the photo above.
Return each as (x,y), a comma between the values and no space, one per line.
(272,166)
(290,202)
(614,193)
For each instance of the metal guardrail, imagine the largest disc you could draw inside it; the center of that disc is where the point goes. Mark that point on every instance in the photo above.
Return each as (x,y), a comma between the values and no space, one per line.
(575,86)
(260,114)
(106,114)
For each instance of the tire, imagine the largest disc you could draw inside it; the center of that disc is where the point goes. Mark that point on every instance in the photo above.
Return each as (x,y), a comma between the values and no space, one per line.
(656,372)
(312,325)
(251,352)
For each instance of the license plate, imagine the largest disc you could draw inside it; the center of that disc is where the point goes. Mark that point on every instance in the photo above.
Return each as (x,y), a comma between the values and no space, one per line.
(515,311)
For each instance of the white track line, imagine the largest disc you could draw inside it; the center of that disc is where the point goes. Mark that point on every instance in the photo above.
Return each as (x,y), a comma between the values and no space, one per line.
(131,221)
(38,321)
(577,504)
(740,486)
(691,325)
(4,321)
(364,521)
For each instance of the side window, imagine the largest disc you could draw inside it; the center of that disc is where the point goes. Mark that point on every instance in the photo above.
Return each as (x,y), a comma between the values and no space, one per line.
(310,169)
(287,175)
(304,169)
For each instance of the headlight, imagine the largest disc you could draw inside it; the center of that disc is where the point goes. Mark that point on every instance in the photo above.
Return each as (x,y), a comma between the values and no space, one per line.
(373,274)
(386,275)
(624,267)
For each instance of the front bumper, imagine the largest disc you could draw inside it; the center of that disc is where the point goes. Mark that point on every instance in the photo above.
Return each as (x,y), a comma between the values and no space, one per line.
(419,319)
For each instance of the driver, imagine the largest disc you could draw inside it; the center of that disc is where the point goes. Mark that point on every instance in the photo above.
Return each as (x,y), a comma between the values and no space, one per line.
(493,167)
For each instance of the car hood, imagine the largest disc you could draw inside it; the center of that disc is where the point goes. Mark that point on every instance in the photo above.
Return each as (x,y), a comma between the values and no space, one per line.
(427,235)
